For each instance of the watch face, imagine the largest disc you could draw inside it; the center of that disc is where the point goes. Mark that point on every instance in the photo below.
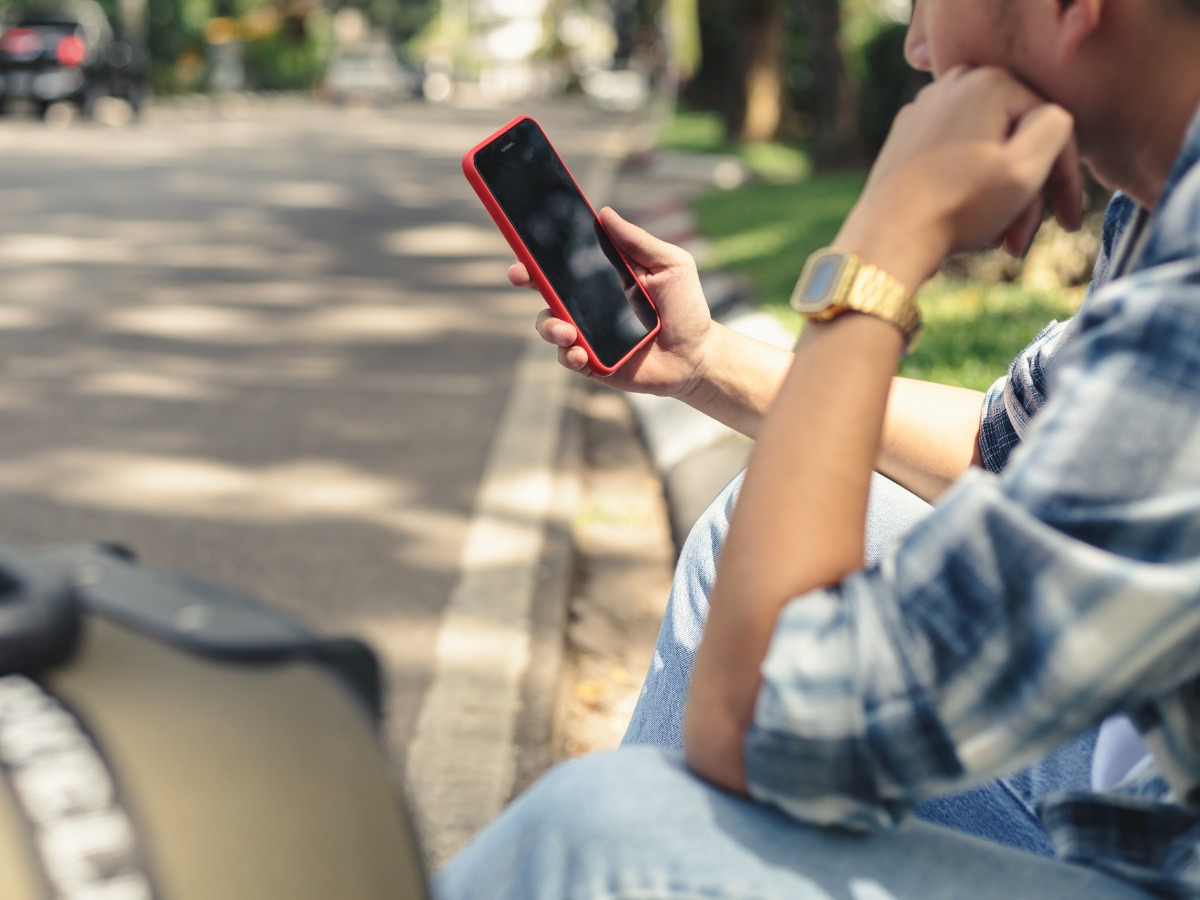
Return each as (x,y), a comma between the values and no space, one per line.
(814,290)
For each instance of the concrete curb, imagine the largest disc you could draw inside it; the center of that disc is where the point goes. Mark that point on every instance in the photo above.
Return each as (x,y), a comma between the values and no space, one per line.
(694,455)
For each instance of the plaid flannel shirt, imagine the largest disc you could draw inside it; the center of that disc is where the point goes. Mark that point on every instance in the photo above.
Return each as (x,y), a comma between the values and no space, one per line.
(1053,588)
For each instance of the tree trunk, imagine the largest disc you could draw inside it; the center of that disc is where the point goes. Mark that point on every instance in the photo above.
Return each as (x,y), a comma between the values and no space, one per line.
(741,69)
(834,109)
(764,47)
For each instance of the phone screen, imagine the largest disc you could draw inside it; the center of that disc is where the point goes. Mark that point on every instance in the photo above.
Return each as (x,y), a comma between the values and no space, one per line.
(540,199)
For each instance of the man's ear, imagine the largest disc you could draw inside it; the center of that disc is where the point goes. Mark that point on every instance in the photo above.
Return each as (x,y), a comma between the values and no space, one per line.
(1077,20)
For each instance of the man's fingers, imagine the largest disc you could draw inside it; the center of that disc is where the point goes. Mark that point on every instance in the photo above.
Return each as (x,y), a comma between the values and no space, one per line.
(518,276)
(638,245)
(1041,138)
(1020,233)
(1065,188)
(1047,129)
(555,331)
(573,358)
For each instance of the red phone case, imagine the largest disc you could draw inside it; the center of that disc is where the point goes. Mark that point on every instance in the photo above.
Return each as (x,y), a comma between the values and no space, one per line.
(523,254)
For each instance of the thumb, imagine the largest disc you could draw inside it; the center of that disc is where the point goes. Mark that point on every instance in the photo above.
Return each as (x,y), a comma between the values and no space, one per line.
(640,246)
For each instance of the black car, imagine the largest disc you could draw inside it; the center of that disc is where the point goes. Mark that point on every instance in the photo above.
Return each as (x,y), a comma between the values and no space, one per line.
(67,53)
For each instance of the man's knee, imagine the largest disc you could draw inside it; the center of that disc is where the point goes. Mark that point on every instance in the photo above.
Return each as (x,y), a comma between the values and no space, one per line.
(583,829)
(601,797)
(707,535)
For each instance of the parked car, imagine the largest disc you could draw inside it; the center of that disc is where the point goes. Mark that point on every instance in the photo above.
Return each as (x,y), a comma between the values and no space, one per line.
(67,53)
(368,73)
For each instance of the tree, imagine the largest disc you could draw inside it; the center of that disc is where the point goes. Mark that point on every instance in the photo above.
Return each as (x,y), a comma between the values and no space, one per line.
(834,107)
(400,20)
(763,38)
(764,59)
(741,66)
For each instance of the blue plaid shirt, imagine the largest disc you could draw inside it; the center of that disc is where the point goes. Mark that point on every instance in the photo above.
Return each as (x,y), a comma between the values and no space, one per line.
(1055,587)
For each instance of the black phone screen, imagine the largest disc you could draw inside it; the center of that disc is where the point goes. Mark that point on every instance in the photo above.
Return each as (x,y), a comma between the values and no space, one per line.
(536,193)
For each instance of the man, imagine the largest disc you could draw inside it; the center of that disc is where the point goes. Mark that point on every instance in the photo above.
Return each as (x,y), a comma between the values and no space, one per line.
(1054,588)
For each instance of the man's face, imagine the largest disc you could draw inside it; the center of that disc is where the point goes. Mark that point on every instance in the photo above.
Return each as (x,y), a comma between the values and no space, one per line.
(948,33)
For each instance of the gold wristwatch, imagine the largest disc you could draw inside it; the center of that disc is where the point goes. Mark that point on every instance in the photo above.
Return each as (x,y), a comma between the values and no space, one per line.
(836,281)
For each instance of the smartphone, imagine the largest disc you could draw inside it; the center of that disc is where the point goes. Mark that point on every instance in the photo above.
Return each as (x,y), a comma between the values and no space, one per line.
(554,231)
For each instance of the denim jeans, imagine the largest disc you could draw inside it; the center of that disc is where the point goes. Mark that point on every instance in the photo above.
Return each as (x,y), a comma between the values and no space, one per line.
(635,824)
(1003,810)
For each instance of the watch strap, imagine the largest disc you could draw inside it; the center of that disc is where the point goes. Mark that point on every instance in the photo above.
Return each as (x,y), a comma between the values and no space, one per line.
(868,289)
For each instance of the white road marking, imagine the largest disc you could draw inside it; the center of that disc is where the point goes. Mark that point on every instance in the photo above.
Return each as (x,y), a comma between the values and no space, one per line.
(460,763)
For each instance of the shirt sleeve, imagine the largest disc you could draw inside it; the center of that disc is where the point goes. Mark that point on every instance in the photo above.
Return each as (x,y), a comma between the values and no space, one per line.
(1027,607)
(1013,400)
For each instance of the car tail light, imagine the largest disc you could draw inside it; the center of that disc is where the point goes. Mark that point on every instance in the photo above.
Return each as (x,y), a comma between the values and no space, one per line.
(21,42)
(71,50)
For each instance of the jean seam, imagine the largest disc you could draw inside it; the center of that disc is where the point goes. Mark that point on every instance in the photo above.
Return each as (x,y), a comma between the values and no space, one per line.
(1030,811)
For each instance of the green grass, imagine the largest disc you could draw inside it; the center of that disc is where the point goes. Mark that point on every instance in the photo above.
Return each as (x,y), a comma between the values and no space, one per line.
(693,132)
(766,231)
(701,132)
(972,330)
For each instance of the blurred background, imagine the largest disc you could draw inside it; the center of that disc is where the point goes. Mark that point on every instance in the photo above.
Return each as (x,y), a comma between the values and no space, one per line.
(793,90)
(768,67)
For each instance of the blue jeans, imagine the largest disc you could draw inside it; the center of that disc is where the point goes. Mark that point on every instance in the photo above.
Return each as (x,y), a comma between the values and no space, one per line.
(635,824)
(1003,810)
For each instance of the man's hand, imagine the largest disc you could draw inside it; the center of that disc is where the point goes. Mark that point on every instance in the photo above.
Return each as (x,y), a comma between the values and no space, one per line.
(671,365)
(970,163)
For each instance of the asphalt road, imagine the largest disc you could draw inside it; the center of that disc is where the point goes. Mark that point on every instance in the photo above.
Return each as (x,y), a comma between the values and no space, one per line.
(270,348)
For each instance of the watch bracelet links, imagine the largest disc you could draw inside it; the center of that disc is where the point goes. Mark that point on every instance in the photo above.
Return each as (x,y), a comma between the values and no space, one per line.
(876,293)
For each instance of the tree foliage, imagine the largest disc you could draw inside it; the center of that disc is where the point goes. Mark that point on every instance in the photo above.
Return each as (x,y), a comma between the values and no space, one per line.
(830,72)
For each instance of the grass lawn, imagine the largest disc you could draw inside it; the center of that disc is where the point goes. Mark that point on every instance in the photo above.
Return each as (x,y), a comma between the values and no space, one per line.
(766,229)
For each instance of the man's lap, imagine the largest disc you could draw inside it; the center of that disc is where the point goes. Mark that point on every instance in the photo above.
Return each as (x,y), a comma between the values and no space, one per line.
(1003,810)
(636,823)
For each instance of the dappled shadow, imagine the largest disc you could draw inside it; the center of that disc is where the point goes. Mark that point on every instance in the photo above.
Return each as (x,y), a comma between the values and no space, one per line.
(269,352)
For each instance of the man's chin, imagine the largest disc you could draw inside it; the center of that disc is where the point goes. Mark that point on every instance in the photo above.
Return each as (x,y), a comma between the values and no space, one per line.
(1097,173)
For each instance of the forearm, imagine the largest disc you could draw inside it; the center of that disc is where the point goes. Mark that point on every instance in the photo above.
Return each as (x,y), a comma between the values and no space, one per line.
(930,435)
(931,431)
(807,486)
(738,380)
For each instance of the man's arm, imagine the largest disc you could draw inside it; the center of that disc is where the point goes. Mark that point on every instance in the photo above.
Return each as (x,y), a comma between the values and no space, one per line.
(930,431)
(965,162)
(930,435)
